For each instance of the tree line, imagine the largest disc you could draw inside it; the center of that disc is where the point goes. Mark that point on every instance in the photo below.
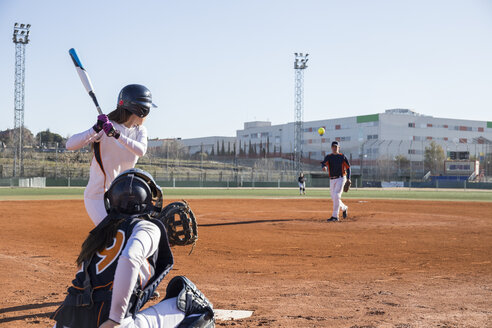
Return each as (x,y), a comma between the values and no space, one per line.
(43,138)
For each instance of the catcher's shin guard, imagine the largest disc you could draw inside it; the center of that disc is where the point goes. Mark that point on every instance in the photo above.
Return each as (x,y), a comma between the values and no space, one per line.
(197,308)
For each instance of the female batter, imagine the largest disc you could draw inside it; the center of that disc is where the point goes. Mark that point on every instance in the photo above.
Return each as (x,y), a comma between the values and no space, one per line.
(119,140)
(121,263)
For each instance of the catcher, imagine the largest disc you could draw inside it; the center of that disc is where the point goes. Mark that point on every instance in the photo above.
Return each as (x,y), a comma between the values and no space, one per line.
(338,168)
(126,256)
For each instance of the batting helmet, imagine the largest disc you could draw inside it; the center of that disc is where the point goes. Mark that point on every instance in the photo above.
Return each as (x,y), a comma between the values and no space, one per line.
(137,99)
(134,192)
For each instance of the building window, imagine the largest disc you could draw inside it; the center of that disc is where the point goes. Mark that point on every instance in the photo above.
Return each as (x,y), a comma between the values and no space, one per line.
(429,138)
(429,125)
(445,126)
(445,138)
(411,125)
(323,140)
(480,129)
(415,152)
(265,134)
(416,138)
(310,141)
(463,140)
(338,127)
(337,138)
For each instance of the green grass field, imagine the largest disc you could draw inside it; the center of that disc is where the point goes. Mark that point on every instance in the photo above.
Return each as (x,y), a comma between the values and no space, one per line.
(420,194)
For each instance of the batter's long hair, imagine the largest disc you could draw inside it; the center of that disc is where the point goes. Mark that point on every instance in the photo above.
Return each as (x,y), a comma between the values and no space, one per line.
(99,238)
(119,115)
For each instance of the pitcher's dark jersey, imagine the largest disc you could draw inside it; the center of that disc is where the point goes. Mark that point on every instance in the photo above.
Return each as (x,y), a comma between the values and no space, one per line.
(337,164)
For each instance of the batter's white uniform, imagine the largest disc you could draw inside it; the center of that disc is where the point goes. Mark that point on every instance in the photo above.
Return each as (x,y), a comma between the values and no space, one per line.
(133,265)
(117,155)
(336,190)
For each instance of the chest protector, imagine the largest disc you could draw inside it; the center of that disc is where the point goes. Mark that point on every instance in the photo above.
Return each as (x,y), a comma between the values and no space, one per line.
(89,298)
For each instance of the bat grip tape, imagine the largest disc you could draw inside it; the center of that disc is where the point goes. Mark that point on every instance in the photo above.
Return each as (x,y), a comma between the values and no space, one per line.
(94,99)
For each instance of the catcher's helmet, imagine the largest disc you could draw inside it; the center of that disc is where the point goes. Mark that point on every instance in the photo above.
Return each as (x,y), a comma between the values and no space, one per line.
(136,98)
(134,192)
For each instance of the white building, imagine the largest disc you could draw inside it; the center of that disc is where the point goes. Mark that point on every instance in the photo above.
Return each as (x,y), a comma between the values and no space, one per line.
(196,145)
(385,135)
(364,138)
(206,144)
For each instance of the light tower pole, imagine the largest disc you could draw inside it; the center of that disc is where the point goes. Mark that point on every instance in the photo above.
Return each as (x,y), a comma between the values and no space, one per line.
(20,39)
(300,64)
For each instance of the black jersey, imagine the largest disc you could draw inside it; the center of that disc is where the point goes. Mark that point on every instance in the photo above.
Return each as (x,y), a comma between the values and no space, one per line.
(337,164)
(88,302)
(301,179)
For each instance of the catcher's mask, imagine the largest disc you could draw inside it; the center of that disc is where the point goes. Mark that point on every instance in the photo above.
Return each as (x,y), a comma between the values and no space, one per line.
(134,192)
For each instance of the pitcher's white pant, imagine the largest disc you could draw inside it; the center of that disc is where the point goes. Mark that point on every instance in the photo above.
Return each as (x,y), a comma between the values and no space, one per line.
(162,315)
(96,210)
(336,190)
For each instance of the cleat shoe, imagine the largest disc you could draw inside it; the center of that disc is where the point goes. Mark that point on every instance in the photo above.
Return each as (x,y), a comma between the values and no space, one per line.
(333,219)
(344,213)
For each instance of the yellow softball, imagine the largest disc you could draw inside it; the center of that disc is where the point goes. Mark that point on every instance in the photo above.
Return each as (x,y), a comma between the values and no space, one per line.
(321,131)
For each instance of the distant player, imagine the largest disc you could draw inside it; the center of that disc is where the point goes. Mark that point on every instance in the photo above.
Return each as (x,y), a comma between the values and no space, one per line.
(122,262)
(338,168)
(114,154)
(302,184)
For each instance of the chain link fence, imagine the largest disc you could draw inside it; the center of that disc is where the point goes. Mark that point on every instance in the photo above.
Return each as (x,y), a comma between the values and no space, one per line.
(67,168)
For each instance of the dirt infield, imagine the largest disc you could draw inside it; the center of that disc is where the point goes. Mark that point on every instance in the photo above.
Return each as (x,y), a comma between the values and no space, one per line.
(392,264)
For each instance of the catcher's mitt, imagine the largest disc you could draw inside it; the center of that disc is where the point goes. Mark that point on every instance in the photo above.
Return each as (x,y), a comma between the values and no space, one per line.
(180,223)
(347,185)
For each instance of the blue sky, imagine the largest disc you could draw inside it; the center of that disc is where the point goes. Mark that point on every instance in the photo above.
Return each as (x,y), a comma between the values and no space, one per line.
(211,65)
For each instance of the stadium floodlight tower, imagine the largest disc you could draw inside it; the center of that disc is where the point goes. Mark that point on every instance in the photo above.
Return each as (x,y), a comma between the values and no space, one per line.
(20,38)
(300,64)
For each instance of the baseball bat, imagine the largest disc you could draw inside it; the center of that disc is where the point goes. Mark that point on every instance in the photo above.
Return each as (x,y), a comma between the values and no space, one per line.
(84,77)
